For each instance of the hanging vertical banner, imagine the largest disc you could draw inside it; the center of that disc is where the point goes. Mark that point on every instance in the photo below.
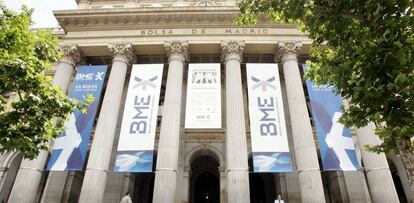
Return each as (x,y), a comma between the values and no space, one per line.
(203,106)
(335,141)
(69,149)
(270,148)
(139,122)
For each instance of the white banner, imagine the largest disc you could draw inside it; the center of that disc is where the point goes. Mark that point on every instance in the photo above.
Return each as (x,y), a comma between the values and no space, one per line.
(203,106)
(270,146)
(139,122)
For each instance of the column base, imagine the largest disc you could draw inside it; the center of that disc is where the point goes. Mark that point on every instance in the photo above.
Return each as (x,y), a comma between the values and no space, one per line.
(165,186)
(90,192)
(238,186)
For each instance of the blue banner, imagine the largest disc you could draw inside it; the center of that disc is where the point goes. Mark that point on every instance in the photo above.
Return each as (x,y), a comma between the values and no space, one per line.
(335,140)
(69,149)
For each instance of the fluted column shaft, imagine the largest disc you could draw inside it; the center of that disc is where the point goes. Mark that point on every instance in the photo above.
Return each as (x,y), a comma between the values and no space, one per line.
(30,172)
(168,146)
(305,151)
(94,182)
(380,183)
(236,147)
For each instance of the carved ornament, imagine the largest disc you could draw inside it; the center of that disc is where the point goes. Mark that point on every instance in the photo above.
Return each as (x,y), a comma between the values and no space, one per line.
(209,137)
(285,50)
(122,52)
(177,50)
(71,54)
(232,50)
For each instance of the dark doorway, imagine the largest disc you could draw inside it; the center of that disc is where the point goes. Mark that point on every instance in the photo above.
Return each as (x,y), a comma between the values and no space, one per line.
(206,188)
(205,184)
(257,188)
(262,186)
(143,188)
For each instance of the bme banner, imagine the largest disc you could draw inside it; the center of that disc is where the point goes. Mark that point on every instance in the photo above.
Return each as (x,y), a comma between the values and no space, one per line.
(203,106)
(270,148)
(139,122)
(335,141)
(69,149)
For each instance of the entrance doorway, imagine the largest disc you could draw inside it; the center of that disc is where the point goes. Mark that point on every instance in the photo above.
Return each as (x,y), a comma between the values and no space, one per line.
(205,184)
(143,188)
(262,187)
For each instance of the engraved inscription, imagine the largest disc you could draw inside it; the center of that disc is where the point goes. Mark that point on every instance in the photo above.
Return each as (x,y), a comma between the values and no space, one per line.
(204,31)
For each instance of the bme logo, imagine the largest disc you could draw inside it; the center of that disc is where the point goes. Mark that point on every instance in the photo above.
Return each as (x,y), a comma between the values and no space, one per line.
(84,76)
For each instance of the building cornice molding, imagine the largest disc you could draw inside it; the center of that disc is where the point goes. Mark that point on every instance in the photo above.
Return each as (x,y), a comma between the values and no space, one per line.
(136,18)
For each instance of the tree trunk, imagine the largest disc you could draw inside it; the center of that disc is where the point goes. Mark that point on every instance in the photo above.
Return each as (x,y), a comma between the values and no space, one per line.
(407,156)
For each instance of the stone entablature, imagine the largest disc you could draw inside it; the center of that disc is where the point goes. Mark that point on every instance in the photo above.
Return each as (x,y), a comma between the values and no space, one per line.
(201,40)
(93,29)
(150,18)
(105,4)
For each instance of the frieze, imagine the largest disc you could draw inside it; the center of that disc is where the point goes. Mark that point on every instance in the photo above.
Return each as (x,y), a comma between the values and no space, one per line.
(204,136)
(200,138)
(204,31)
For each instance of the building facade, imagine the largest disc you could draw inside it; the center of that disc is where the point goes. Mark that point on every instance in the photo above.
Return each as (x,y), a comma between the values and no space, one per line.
(193,165)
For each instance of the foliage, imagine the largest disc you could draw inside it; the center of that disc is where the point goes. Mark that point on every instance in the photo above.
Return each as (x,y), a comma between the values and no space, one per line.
(365,49)
(38,115)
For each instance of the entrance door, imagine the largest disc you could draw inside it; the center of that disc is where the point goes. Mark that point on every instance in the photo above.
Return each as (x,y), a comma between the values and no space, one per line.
(206,188)
(205,184)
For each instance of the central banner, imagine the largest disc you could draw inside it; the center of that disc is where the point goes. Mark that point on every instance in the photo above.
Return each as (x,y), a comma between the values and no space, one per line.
(139,122)
(203,106)
(270,147)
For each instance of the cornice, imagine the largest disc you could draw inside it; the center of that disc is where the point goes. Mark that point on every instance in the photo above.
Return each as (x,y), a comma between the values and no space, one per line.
(135,18)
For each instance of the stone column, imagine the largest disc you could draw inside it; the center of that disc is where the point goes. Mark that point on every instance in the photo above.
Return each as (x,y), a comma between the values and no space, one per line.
(98,163)
(30,172)
(304,144)
(357,191)
(380,183)
(223,193)
(293,188)
(236,147)
(185,195)
(169,141)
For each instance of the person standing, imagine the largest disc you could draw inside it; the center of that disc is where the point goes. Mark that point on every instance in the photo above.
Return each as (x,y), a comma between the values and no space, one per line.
(279,199)
(126,199)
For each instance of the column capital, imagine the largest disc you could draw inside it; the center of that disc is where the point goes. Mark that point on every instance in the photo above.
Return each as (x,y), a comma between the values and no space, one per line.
(121,52)
(287,50)
(177,50)
(71,54)
(232,50)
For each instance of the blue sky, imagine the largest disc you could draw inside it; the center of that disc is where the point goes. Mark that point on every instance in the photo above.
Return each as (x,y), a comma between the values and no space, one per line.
(43,16)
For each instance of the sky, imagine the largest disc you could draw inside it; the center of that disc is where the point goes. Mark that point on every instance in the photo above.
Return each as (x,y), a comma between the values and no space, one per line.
(42,16)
